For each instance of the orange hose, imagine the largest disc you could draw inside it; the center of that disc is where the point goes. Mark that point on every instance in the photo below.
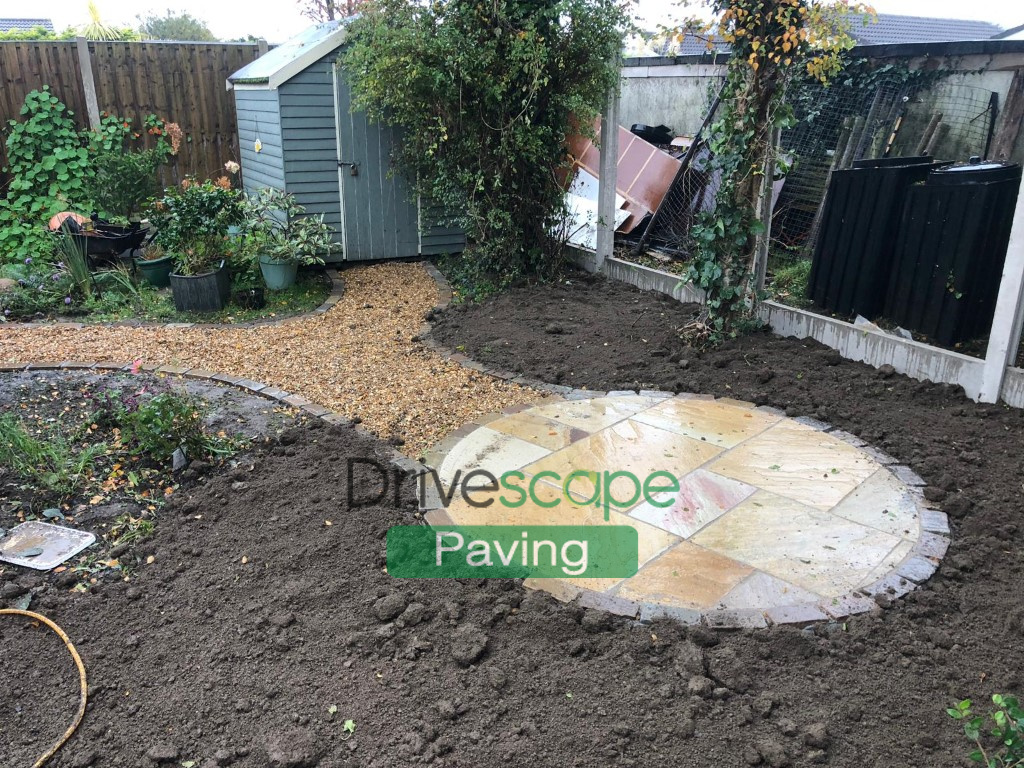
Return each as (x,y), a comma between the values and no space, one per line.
(81,679)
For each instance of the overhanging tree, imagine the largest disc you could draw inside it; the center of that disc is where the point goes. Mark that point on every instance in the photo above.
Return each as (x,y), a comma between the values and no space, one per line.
(486,92)
(175,26)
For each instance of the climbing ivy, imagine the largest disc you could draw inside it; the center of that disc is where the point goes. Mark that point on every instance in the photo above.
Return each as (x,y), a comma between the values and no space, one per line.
(48,163)
(770,40)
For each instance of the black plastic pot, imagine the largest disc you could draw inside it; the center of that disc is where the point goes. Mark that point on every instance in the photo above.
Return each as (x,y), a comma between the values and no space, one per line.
(207,292)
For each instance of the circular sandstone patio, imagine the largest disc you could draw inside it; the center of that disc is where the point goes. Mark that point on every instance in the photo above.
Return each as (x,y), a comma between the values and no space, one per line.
(777,520)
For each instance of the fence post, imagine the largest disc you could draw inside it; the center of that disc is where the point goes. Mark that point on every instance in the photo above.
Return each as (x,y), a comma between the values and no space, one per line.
(261,46)
(607,180)
(764,210)
(88,83)
(1009,315)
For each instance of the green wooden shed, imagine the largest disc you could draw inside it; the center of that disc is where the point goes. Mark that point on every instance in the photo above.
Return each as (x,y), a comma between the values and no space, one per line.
(297,133)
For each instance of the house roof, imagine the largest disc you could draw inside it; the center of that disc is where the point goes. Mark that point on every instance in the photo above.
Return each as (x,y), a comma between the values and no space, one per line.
(1013,33)
(24,25)
(889,29)
(893,29)
(285,61)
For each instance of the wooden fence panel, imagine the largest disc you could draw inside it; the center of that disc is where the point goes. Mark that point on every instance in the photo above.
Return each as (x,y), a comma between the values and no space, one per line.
(180,82)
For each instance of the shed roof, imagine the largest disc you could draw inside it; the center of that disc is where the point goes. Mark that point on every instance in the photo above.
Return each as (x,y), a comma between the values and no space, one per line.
(287,60)
(24,25)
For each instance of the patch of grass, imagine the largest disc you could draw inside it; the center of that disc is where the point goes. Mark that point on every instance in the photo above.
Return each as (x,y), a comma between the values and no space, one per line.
(789,283)
(154,305)
(54,465)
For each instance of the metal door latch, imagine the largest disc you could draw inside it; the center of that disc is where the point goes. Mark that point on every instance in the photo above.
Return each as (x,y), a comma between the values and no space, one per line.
(353,167)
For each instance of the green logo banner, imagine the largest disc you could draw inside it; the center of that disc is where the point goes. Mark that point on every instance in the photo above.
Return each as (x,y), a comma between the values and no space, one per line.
(512,552)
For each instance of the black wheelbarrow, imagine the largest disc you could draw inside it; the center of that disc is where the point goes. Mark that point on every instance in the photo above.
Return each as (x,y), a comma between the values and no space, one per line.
(109,243)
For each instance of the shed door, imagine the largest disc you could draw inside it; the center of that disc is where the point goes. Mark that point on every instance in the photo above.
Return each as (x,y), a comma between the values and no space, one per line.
(378,221)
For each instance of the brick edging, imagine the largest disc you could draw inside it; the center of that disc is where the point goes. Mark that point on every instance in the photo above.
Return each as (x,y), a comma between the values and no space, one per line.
(915,569)
(334,295)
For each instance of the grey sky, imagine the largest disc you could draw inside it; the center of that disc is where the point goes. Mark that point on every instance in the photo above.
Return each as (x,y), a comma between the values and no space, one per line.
(277,20)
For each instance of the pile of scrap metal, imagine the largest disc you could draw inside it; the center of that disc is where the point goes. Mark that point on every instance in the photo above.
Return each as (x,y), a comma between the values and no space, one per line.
(662,182)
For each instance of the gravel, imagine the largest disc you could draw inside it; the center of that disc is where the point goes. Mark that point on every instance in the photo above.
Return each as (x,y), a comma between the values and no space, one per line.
(358,359)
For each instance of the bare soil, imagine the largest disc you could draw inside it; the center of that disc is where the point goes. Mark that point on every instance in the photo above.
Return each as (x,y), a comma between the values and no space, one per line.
(257,618)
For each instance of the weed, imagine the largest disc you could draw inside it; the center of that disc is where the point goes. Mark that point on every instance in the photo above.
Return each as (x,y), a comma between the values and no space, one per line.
(1006,742)
(789,283)
(157,427)
(52,464)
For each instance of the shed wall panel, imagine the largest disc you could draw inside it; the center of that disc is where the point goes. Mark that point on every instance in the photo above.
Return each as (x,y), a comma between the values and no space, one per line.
(259,117)
(310,141)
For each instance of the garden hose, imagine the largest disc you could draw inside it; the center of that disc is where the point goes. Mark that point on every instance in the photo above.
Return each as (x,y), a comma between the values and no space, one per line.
(81,679)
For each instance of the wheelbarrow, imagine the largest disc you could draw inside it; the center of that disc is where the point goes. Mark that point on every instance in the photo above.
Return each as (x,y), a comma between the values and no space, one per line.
(108,243)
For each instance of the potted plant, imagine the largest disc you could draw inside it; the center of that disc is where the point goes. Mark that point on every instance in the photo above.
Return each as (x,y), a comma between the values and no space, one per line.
(155,265)
(192,222)
(283,237)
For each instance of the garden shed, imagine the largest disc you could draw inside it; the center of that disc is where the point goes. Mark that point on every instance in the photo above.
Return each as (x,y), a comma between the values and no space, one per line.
(297,133)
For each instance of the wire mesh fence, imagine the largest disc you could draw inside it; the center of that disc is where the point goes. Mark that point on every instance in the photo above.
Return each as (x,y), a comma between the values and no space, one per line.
(835,128)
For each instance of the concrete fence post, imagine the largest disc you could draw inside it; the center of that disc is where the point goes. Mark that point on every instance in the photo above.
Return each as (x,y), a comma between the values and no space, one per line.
(1009,315)
(92,106)
(607,180)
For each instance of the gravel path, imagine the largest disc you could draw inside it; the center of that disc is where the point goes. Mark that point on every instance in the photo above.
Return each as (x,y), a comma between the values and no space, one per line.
(358,359)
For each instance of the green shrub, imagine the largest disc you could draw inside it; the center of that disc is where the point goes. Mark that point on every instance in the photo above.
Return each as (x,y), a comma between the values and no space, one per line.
(486,95)
(52,465)
(1003,745)
(44,287)
(193,221)
(158,426)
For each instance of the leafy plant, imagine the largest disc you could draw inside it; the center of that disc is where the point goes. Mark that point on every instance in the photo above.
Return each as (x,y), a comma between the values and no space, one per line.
(770,40)
(193,221)
(158,426)
(1005,740)
(72,255)
(44,287)
(48,162)
(125,180)
(485,95)
(53,464)
(278,227)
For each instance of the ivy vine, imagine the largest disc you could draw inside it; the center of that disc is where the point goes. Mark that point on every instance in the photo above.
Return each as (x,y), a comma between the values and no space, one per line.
(770,40)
